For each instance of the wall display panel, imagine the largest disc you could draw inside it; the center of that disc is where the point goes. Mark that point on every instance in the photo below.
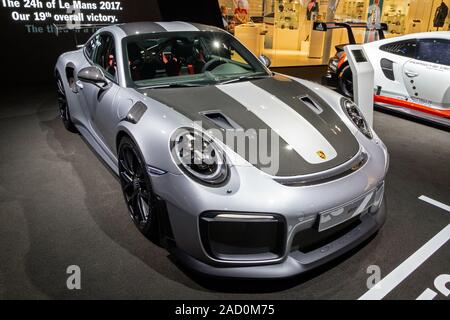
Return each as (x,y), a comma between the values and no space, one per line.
(30,45)
(200,11)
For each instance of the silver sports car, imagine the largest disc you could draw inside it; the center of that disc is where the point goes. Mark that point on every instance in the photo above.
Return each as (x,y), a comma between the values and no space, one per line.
(238,171)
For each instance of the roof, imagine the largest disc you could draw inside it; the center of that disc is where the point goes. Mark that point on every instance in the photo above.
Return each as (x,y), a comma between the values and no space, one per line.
(424,35)
(153,27)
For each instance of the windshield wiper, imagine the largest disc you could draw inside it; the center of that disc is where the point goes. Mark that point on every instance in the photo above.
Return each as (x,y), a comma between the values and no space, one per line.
(244,78)
(173,85)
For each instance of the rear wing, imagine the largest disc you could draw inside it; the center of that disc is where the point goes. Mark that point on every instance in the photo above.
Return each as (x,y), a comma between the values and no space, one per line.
(77,29)
(325,26)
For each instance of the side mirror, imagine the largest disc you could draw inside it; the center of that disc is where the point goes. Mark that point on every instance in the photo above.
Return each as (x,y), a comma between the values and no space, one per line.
(95,76)
(265,60)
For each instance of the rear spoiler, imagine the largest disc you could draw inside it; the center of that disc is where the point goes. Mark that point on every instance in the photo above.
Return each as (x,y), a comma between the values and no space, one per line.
(325,26)
(57,28)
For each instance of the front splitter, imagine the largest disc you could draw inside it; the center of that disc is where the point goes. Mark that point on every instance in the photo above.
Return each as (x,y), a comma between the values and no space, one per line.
(296,262)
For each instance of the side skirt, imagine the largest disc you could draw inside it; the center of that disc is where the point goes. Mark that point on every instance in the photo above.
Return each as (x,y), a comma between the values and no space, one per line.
(443,123)
(99,150)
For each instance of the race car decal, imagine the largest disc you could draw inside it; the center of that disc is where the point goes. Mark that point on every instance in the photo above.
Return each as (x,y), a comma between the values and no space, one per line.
(304,139)
(342,60)
(412,105)
(431,66)
(195,102)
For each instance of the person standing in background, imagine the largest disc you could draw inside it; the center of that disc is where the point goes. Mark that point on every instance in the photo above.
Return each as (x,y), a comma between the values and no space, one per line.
(240,13)
(440,16)
(312,10)
(244,3)
(223,11)
(373,21)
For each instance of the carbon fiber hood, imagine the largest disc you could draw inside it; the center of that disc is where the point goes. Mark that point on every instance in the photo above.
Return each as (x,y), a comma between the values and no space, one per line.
(312,136)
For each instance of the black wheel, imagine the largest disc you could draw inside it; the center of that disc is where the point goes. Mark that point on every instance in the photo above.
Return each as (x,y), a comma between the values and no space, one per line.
(137,189)
(63,106)
(345,81)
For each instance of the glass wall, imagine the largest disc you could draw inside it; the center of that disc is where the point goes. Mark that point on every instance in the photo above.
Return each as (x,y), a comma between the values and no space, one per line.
(282,29)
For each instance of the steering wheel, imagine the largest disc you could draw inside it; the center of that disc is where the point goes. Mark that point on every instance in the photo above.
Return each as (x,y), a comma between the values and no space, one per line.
(212,64)
(135,63)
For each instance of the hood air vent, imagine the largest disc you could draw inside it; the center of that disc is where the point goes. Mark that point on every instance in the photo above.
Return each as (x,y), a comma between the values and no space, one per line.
(220,120)
(311,104)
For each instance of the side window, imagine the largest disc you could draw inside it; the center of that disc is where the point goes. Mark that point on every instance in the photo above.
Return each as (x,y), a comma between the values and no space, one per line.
(90,46)
(105,54)
(434,50)
(402,48)
(237,57)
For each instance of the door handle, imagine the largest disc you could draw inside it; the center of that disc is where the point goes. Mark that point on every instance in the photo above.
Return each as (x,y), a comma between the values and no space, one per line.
(79,85)
(411,74)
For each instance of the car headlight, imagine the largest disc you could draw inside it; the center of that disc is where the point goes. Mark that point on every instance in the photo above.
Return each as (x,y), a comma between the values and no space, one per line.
(356,116)
(199,156)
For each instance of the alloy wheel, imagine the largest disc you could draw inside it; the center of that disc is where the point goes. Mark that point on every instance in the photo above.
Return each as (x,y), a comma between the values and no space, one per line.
(62,101)
(135,186)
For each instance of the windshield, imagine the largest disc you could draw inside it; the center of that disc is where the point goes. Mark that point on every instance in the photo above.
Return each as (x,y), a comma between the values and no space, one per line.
(188,58)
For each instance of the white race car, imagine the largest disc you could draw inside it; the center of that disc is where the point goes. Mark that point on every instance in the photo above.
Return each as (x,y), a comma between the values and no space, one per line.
(412,74)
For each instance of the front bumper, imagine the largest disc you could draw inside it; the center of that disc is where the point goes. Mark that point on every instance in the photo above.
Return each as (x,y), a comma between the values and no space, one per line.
(250,192)
(296,262)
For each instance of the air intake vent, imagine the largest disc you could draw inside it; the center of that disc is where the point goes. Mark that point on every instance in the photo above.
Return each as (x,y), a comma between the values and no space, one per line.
(220,119)
(311,104)
(388,68)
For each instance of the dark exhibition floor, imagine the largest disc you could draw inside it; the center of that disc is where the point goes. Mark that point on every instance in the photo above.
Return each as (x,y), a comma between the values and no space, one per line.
(60,206)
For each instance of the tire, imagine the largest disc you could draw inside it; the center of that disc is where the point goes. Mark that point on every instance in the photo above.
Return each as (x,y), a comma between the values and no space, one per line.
(137,190)
(345,81)
(64,106)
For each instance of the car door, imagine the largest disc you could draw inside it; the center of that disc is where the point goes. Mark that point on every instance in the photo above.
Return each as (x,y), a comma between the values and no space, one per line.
(101,103)
(389,60)
(427,77)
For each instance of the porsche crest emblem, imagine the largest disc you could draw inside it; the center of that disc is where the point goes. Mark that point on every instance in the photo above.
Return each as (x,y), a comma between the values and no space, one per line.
(321,154)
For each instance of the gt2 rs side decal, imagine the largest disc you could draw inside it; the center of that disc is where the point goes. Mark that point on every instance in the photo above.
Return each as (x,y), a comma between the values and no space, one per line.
(306,140)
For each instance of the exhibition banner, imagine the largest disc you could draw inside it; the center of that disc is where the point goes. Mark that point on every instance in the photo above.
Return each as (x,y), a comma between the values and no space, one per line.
(373,20)
(35,32)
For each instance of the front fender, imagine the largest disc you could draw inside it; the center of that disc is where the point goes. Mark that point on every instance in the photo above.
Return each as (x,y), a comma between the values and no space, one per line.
(152,134)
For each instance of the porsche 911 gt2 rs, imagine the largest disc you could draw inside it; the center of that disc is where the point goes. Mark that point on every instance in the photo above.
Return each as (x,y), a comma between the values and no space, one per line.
(239,172)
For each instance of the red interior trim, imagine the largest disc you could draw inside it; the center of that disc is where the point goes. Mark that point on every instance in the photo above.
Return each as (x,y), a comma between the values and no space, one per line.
(412,105)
